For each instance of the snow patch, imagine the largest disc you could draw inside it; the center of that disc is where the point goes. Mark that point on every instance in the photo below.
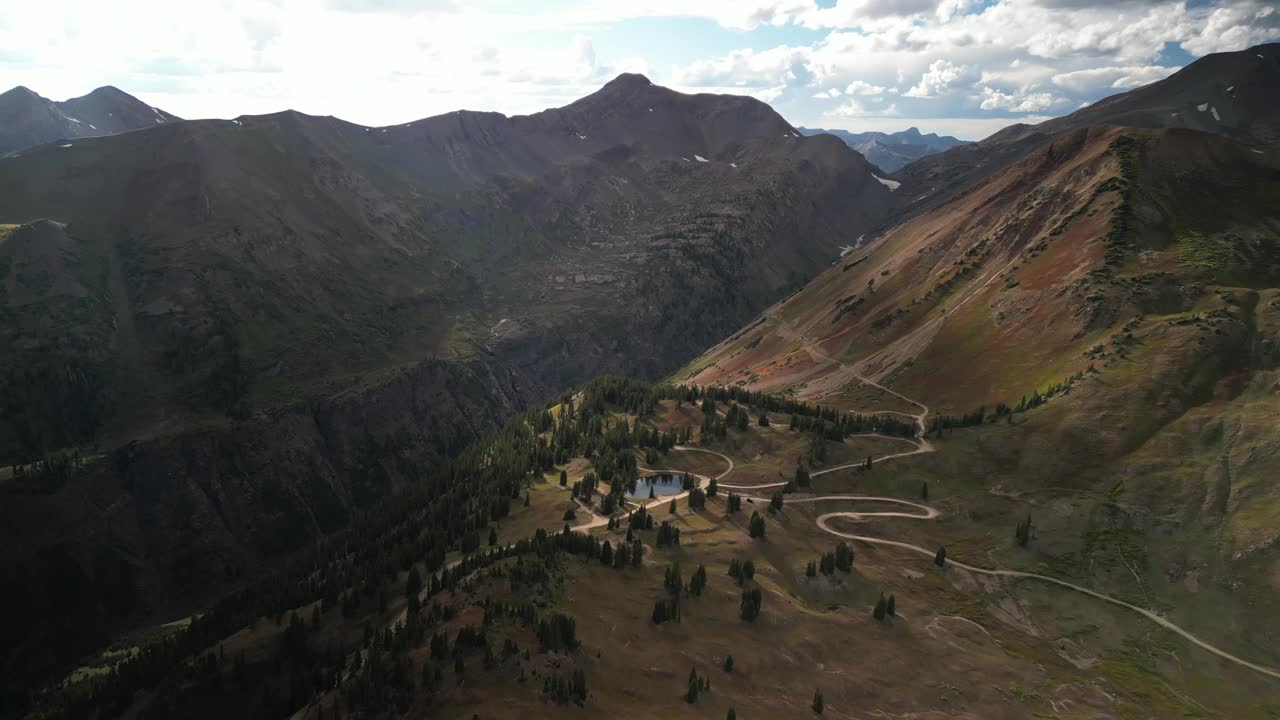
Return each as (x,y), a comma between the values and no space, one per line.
(157,112)
(65,146)
(1231,89)
(1202,107)
(699,158)
(733,165)
(1257,151)
(650,109)
(384,129)
(92,126)
(795,134)
(685,159)
(1217,117)
(1260,56)
(71,119)
(581,136)
(237,122)
(891,184)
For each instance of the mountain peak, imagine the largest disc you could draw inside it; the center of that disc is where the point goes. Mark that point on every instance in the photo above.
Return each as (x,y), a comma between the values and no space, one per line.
(110,90)
(629,80)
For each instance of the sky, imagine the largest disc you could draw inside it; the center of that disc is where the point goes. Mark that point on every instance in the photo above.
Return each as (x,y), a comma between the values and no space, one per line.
(958,67)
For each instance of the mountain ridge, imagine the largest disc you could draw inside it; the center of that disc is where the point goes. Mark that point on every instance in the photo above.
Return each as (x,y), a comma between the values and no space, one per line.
(27,119)
(892,151)
(1227,93)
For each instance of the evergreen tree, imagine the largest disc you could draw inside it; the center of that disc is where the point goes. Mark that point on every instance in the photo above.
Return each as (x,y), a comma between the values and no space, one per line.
(756,527)
(695,687)
(802,476)
(924,491)
(698,581)
(891,607)
(749,608)
(1023,532)
(712,488)
(811,570)
(731,715)
(697,499)
(728,663)
(817,702)
(775,502)
(734,502)
(941,558)
(881,608)
(673,506)
(606,553)
(493,536)
(843,559)
(564,478)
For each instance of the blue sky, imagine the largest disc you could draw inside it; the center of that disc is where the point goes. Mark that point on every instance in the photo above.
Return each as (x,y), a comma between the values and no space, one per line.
(962,67)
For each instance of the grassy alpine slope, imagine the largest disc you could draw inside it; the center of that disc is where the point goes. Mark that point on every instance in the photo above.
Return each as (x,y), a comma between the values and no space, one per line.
(1130,279)
(472,630)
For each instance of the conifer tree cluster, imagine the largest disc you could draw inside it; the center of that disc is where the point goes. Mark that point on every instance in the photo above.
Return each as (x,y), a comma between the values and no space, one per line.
(1023,532)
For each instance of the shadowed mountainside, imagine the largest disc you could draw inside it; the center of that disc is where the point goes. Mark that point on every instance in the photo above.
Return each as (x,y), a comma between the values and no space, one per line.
(27,119)
(247,330)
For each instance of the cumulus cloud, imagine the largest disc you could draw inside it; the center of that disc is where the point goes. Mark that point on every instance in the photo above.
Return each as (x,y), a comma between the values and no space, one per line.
(1018,102)
(853,109)
(858,87)
(749,68)
(972,63)
(938,79)
(1121,78)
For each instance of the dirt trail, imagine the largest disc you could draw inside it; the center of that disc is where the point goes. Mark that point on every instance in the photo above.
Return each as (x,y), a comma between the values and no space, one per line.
(923,512)
(824,523)
(924,446)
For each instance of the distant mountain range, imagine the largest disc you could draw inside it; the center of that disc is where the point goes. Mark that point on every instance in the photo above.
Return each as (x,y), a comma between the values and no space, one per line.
(27,119)
(891,151)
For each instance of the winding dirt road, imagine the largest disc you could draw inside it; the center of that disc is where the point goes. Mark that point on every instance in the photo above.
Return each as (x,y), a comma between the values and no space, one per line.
(931,513)
(922,445)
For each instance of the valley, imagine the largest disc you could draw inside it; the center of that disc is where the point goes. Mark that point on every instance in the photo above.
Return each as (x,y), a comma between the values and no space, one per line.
(650,404)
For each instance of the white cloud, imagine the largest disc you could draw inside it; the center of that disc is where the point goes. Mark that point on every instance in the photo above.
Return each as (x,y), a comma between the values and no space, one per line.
(748,67)
(1234,27)
(853,108)
(1122,78)
(858,87)
(1020,102)
(938,79)
(389,61)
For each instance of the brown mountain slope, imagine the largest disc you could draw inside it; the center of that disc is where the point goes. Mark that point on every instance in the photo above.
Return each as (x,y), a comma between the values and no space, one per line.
(1132,279)
(27,119)
(1230,94)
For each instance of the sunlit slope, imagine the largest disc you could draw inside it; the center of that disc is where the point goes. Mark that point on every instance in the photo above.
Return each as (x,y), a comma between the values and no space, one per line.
(1046,270)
